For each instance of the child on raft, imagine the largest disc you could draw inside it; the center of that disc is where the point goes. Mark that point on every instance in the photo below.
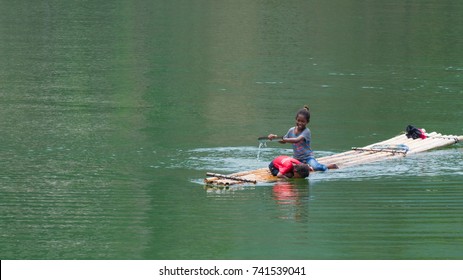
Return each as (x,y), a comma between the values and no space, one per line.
(300,137)
(288,167)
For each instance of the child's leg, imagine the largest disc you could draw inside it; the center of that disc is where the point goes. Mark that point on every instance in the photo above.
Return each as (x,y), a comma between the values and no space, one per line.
(316,165)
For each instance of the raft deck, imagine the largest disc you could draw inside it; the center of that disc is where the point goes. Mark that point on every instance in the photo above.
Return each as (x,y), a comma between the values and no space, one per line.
(395,147)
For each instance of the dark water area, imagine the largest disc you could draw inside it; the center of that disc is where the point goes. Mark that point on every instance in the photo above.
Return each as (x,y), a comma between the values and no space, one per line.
(113,111)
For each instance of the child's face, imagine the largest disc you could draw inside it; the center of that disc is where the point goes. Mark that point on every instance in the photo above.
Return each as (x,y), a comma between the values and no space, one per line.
(301,122)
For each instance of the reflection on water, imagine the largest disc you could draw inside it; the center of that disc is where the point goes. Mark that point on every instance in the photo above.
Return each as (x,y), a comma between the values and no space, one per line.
(292,199)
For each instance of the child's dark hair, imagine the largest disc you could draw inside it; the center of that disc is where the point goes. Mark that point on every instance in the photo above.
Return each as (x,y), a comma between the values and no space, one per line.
(302,169)
(305,113)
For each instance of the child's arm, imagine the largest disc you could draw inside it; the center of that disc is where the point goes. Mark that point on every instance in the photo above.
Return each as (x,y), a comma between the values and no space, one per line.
(294,140)
(279,175)
(273,136)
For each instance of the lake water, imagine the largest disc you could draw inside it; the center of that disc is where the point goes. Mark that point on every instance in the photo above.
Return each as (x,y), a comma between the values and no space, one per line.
(113,111)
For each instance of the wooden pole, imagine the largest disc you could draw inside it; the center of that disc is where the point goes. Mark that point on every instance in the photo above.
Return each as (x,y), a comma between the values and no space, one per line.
(230,177)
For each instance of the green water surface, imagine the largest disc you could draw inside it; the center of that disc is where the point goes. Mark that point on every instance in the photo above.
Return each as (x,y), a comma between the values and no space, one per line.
(113,111)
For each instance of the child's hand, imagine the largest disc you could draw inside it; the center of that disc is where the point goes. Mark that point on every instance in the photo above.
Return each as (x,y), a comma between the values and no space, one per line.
(272,136)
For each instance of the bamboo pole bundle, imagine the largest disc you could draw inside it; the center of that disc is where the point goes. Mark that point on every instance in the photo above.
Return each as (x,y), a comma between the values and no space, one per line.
(428,143)
(365,152)
(416,143)
(434,140)
(372,157)
(343,157)
(410,141)
(394,140)
(356,155)
(331,158)
(435,143)
(252,176)
(351,155)
(237,175)
(415,146)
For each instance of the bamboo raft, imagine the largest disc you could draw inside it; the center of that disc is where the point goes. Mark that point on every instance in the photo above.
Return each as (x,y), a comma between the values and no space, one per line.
(395,147)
